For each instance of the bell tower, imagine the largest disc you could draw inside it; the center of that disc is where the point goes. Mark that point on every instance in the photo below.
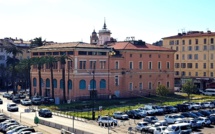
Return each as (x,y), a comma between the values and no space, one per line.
(94,38)
(104,35)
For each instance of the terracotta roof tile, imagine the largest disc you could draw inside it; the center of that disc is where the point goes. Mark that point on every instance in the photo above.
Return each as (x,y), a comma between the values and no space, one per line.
(147,47)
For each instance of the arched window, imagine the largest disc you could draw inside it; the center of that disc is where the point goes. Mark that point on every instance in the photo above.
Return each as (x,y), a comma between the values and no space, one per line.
(55,83)
(61,84)
(92,84)
(82,84)
(102,84)
(42,83)
(69,84)
(34,82)
(47,83)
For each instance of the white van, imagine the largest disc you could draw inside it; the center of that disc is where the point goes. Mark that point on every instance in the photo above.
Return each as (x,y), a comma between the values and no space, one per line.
(178,128)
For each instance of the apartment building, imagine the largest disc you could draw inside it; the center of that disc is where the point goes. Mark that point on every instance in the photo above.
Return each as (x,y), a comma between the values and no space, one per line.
(194,57)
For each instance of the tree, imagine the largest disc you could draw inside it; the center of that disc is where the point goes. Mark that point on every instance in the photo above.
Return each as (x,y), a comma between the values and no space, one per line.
(62,60)
(25,64)
(12,49)
(4,76)
(50,60)
(37,42)
(188,88)
(162,90)
(39,61)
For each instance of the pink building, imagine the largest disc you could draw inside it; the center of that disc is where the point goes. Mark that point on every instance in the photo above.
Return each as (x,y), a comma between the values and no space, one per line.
(120,69)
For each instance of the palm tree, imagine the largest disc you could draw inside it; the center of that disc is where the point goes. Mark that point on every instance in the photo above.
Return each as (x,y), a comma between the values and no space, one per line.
(38,42)
(13,61)
(62,60)
(39,61)
(50,60)
(26,65)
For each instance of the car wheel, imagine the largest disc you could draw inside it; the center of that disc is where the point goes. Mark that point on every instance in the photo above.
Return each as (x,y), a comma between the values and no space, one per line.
(203,124)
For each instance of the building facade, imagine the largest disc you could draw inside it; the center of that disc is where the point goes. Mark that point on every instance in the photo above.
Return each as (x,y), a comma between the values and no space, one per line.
(119,69)
(194,58)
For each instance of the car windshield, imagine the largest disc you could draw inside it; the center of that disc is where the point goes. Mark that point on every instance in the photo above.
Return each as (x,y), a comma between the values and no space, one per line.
(12,105)
(37,99)
(154,118)
(46,110)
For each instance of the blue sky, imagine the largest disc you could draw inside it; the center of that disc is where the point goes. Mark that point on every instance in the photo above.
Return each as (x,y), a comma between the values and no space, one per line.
(74,20)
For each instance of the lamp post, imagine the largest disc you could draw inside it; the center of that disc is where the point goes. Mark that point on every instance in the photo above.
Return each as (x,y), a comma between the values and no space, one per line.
(93,95)
(111,53)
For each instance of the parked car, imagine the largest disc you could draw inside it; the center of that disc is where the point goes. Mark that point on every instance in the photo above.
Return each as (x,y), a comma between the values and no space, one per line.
(193,123)
(150,119)
(10,97)
(12,107)
(24,129)
(11,127)
(197,114)
(188,114)
(148,111)
(107,120)
(141,112)
(170,109)
(142,127)
(207,105)
(212,118)
(4,127)
(36,100)
(15,129)
(6,95)
(156,129)
(178,129)
(120,115)
(22,96)
(173,118)
(47,100)
(45,113)
(161,123)
(133,114)
(26,102)
(183,107)
(16,99)
(205,113)
(204,121)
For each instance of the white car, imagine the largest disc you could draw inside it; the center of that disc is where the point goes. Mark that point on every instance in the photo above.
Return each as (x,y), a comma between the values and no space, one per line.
(12,107)
(15,129)
(2,124)
(142,126)
(25,102)
(204,121)
(4,127)
(148,111)
(207,105)
(156,129)
(173,118)
(141,112)
(195,106)
(120,115)
(107,120)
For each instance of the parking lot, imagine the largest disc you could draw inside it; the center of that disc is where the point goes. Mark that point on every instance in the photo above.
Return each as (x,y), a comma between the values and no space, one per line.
(124,126)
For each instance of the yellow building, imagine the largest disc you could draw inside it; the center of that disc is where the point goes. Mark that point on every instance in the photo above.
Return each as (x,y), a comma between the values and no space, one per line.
(25,47)
(194,58)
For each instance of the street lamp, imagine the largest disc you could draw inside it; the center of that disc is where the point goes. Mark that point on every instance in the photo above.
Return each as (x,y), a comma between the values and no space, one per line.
(110,53)
(93,95)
